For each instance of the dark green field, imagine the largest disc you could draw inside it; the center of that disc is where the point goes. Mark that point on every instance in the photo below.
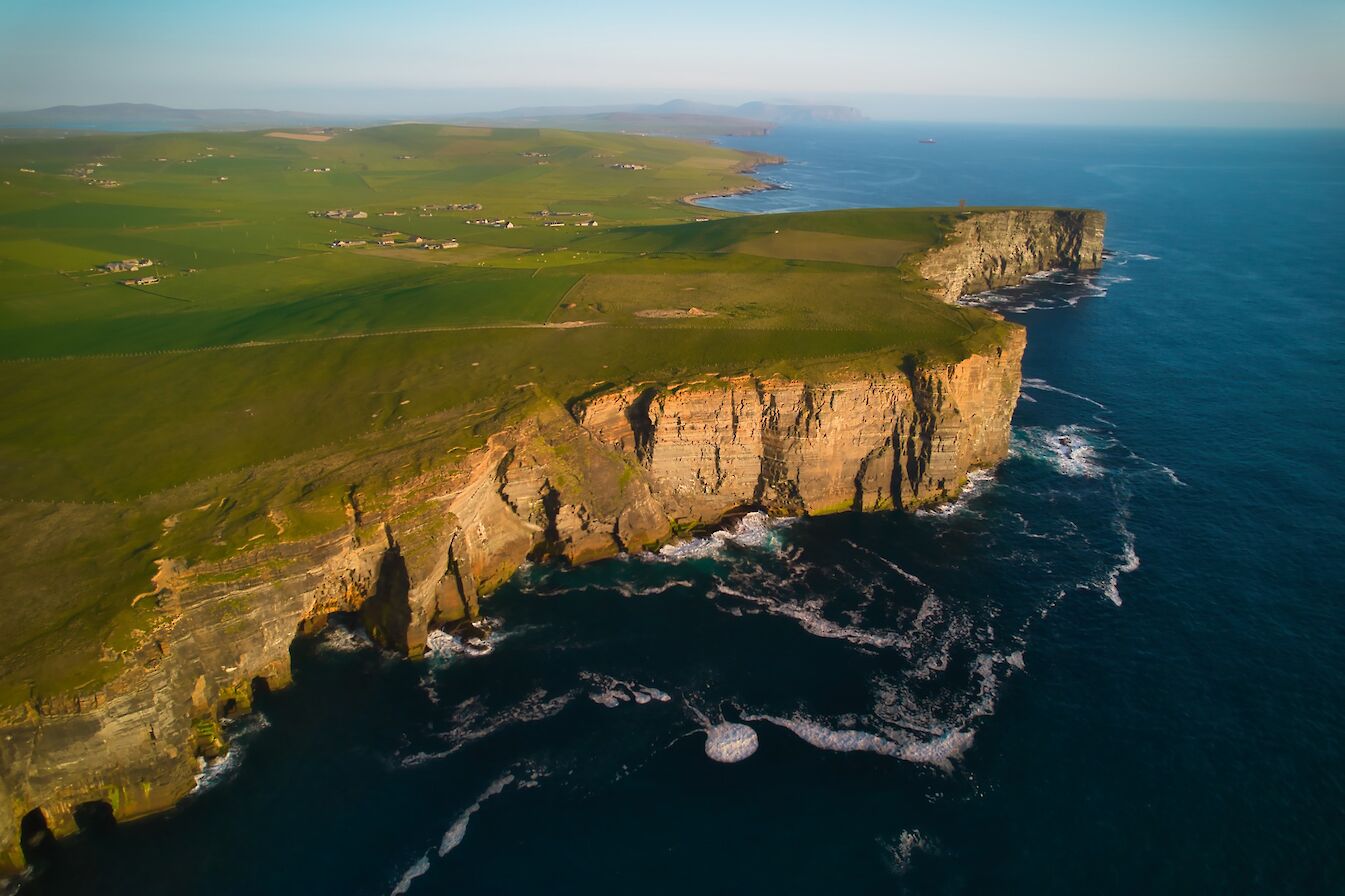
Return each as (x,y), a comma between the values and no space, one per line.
(266,372)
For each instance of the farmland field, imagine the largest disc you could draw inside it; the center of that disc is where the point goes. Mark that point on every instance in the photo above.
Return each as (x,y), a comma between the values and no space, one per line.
(261,370)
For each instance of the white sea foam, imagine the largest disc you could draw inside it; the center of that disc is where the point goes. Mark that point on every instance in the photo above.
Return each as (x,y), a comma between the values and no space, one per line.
(215,771)
(612,692)
(938,752)
(730,742)
(901,851)
(417,869)
(1043,386)
(1110,585)
(755,530)
(808,615)
(626,590)
(908,576)
(472,722)
(452,837)
(977,481)
(1072,449)
(476,639)
(343,639)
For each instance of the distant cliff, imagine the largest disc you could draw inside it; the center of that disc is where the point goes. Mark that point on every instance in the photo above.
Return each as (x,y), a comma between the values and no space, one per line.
(987,250)
(621,470)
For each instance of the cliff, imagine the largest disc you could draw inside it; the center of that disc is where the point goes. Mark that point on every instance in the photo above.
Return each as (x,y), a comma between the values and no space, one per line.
(987,250)
(621,470)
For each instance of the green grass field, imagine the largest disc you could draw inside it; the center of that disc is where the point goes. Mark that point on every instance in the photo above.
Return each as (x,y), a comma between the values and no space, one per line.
(266,373)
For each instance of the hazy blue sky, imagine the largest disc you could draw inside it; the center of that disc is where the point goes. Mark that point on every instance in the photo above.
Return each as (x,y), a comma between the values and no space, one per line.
(1230,58)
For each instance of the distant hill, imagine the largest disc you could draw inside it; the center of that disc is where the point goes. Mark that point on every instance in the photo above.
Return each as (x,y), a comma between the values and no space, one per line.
(775,113)
(661,124)
(682,118)
(150,117)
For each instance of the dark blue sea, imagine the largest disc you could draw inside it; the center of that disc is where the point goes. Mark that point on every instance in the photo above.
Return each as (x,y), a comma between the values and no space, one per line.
(1116,665)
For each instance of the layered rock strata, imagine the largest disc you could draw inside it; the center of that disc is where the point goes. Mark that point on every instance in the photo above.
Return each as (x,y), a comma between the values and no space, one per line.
(620,471)
(987,250)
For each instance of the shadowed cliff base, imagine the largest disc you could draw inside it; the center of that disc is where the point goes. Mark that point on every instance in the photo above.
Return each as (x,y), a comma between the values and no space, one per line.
(429,465)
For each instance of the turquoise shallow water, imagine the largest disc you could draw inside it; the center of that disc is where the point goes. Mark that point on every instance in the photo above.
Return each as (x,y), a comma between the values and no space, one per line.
(1115,666)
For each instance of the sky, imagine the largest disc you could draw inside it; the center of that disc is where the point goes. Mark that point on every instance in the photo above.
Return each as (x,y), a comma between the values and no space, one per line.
(1212,61)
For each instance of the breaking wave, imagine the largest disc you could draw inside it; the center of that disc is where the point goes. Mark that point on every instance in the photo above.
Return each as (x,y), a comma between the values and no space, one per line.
(754,531)
(1072,450)
(240,733)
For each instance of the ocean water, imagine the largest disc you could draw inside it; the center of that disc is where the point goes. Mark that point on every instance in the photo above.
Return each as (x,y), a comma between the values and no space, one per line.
(1116,665)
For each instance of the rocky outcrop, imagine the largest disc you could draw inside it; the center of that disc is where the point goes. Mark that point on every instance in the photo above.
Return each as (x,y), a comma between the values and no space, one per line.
(987,250)
(618,471)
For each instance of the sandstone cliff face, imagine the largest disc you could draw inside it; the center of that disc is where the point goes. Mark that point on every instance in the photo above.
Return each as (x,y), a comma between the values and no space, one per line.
(866,443)
(991,249)
(620,471)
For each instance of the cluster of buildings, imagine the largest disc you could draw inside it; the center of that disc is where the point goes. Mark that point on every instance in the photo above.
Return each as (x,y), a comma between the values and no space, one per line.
(533,154)
(453,207)
(86,173)
(126,264)
(547,215)
(397,239)
(337,213)
(630,166)
(141,281)
(504,223)
(317,170)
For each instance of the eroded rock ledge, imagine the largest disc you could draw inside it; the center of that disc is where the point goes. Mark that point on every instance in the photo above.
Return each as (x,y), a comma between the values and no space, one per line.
(620,471)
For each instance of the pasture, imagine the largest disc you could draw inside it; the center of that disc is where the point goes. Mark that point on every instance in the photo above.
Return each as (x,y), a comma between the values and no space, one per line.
(266,374)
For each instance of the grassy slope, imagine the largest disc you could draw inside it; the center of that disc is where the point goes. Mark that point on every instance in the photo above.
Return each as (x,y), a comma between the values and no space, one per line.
(267,374)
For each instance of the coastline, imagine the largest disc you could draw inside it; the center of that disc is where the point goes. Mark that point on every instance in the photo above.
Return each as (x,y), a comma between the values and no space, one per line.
(640,482)
(760,186)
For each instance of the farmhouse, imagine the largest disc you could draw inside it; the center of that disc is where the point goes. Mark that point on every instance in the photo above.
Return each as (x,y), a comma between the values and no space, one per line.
(338,213)
(126,264)
(441,244)
(589,223)
(141,281)
(342,244)
(630,166)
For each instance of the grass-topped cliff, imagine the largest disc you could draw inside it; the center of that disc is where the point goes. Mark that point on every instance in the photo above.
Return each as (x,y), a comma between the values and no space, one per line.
(299,409)
(212,398)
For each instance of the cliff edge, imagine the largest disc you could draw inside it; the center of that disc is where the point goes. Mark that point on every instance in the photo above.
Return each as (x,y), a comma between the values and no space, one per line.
(987,250)
(620,470)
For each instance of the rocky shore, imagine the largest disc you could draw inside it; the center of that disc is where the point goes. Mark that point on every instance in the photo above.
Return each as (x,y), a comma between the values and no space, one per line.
(619,471)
